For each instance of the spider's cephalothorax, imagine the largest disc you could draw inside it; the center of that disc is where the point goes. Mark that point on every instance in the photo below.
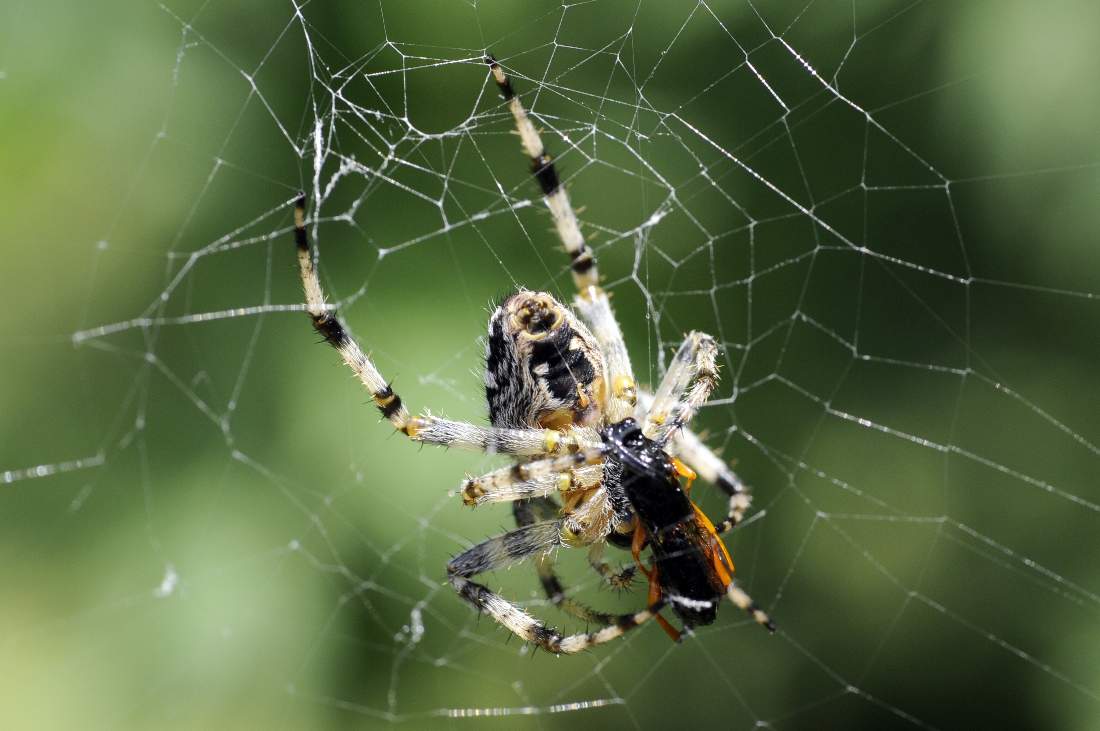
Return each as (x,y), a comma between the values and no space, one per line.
(543,367)
(564,406)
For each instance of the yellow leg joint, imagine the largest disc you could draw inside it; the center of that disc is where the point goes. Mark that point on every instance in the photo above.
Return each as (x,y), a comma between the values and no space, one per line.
(625,388)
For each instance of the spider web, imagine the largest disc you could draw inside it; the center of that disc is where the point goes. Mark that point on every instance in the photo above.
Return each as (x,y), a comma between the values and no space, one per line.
(884,212)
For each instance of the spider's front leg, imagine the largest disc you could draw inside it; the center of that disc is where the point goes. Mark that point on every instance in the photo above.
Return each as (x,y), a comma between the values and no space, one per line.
(708,465)
(529,541)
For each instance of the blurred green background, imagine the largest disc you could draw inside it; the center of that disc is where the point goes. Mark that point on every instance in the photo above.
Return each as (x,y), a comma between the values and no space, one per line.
(909,329)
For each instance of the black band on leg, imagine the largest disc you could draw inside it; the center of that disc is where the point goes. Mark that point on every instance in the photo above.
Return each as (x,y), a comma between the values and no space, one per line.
(582,261)
(330,328)
(300,238)
(389,403)
(543,168)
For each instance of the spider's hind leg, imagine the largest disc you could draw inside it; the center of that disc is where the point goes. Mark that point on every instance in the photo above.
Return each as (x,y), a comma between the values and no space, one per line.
(527,512)
(592,302)
(507,549)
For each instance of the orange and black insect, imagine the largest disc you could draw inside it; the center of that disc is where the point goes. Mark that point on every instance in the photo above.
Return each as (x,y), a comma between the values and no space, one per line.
(692,570)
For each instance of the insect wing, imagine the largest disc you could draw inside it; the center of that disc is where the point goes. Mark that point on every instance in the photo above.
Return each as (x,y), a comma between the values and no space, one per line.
(711,544)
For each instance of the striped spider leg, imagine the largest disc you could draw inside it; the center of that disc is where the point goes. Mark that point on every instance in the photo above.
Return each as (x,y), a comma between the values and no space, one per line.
(563,404)
(532,541)
(686,445)
(520,442)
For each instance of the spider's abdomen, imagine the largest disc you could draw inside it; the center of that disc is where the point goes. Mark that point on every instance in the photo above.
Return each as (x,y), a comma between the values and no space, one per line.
(543,367)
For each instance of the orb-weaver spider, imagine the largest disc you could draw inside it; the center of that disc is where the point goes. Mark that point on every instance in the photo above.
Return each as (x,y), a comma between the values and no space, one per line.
(563,402)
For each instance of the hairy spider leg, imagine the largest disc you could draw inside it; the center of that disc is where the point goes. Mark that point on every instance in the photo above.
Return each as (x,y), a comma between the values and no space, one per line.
(592,302)
(686,386)
(425,428)
(571,481)
(509,548)
(529,512)
(552,471)
(686,445)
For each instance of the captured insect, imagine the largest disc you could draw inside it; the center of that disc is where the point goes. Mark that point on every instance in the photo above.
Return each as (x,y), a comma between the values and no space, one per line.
(563,403)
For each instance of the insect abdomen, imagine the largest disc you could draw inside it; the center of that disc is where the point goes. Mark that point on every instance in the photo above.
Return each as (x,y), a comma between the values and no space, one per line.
(686,574)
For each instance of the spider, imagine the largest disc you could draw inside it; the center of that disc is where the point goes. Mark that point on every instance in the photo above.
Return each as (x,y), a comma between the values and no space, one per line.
(563,403)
